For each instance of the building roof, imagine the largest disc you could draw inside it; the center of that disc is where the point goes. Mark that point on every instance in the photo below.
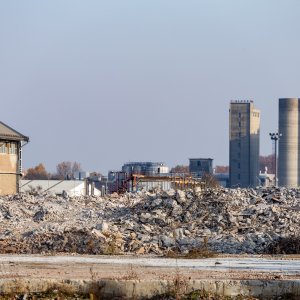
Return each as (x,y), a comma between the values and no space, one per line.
(8,133)
(145,163)
(201,159)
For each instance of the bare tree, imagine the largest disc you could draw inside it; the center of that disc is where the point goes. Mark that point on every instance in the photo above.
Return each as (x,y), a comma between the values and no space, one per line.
(76,167)
(64,170)
(67,169)
(267,161)
(180,169)
(210,181)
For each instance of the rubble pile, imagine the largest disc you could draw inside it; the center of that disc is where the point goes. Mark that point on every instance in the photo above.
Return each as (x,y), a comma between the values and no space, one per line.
(225,220)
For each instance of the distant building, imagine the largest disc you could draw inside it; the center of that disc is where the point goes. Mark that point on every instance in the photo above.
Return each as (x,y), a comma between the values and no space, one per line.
(10,159)
(244,130)
(58,187)
(264,179)
(267,180)
(152,173)
(145,168)
(223,179)
(200,166)
(80,175)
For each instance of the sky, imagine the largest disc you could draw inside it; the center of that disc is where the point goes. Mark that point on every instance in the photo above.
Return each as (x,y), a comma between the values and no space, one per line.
(108,82)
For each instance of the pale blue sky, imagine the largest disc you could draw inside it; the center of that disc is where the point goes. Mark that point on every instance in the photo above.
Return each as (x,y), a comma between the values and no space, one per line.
(106,82)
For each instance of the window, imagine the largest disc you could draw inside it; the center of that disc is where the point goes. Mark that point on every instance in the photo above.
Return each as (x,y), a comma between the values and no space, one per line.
(239,176)
(2,147)
(239,165)
(13,148)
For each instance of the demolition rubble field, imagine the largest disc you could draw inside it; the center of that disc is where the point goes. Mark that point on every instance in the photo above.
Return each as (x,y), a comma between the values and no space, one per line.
(228,221)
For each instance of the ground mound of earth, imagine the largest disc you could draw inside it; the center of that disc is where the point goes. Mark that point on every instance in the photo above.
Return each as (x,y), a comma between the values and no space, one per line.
(222,220)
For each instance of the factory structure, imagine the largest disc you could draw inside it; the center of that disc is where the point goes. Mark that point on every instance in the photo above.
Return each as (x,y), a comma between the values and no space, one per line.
(200,166)
(244,142)
(244,134)
(136,176)
(244,130)
(145,168)
(289,142)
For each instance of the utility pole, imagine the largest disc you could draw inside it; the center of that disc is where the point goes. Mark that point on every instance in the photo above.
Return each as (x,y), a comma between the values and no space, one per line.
(275,137)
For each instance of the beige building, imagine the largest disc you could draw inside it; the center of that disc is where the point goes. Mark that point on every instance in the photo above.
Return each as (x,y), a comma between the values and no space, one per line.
(244,129)
(10,159)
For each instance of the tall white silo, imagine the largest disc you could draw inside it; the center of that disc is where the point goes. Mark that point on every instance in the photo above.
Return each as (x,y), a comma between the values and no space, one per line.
(288,142)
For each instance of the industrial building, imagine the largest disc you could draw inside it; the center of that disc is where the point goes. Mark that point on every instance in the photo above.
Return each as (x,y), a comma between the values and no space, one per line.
(265,179)
(145,168)
(200,166)
(289,145)
(139,175)
(11,143)
(244,132)
(136,176)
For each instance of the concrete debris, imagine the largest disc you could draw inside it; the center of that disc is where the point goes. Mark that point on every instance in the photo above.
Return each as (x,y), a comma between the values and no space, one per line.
(223,220)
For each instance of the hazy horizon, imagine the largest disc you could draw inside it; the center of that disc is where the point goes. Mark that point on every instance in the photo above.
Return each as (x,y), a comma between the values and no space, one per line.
(107,82)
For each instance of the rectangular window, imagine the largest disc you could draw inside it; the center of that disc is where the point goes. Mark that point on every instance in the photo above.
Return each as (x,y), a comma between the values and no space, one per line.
(239,165)
(239,176)
(13,148)
(2,147)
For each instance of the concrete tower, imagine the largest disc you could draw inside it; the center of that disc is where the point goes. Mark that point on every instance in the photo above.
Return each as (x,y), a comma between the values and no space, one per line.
(288,172)
(244,132)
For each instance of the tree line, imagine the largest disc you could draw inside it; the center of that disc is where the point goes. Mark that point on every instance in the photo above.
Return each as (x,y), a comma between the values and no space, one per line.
(64,170)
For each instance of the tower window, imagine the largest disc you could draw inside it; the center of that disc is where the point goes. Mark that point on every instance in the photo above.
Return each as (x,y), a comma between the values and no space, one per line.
(3,148)
(12,148)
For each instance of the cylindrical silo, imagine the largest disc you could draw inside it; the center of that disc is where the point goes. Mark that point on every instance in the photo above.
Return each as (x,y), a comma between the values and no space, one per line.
(298,163)
(288,142)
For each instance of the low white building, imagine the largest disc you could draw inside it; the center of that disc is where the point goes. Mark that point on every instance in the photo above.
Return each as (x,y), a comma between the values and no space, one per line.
(57,187)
